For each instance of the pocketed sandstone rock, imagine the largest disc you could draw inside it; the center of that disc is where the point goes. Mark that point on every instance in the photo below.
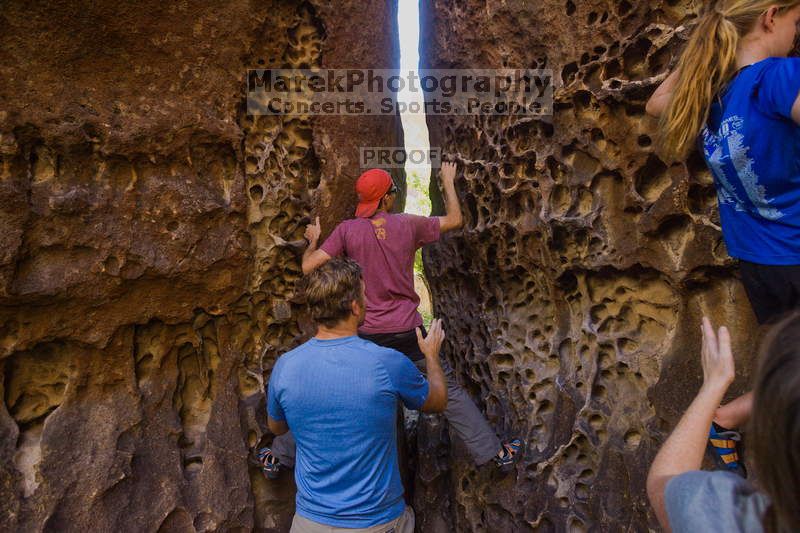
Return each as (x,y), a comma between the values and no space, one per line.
(573,294)
(139,207)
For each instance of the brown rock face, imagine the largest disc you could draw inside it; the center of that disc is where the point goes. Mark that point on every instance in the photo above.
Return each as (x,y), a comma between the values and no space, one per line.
(148,258)
(149,241)
(573,295)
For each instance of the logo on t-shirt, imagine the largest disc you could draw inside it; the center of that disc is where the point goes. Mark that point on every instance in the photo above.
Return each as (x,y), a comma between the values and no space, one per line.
(380,232)
(728,156)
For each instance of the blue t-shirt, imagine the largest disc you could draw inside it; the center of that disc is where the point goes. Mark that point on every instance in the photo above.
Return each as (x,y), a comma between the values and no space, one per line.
(339,398)
(752,147)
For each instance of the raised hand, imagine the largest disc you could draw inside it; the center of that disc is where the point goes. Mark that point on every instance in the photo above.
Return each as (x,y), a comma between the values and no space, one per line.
(716,356)
(453,218)
(431,344)
(313,231)
(448,172)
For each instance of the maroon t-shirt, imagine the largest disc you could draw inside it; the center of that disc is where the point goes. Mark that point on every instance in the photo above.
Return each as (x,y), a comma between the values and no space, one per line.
(384,247)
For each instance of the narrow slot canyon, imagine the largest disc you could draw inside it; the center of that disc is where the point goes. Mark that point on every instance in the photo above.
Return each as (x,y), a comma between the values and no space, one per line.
(151,235)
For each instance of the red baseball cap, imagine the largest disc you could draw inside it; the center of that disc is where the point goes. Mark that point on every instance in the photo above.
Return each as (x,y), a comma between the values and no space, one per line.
(371,186)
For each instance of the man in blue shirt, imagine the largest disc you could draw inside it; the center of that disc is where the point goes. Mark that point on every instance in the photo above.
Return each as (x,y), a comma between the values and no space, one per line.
(338,393)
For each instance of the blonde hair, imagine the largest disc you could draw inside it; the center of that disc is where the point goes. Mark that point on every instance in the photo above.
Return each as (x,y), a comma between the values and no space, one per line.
(707,64)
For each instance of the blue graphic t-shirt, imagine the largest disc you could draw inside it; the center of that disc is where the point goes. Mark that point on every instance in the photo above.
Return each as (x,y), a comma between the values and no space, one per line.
(339,398)
(752,147)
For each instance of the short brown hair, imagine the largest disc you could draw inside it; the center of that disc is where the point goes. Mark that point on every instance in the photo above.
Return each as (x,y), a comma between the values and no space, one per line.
(775,425)
(330,290)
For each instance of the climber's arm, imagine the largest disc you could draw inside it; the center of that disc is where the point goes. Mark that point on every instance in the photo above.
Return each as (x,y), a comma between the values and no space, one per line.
(276,417)
(277,427)
(430,345)
(683,450)
(313,257)
(453,218)
(660,99)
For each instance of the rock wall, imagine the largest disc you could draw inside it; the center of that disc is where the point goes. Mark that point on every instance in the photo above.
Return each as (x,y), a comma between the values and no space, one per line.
(150,233)
(149,241)
(573,295)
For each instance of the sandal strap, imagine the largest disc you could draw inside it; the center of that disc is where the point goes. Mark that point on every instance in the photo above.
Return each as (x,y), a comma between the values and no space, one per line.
(729,457)
(725,444)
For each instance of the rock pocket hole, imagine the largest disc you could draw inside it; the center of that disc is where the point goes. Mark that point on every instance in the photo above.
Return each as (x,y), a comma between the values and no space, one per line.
(111,265)
(633,438)
(256,193)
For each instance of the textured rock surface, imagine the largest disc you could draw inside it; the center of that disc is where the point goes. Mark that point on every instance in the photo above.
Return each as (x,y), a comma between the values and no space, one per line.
(148,241)
(147,251)
(574,293)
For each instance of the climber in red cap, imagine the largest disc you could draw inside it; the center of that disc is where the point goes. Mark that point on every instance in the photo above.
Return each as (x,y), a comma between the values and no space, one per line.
(384,245)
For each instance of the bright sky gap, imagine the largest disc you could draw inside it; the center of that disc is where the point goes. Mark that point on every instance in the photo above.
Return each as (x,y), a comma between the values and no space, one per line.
(414,127)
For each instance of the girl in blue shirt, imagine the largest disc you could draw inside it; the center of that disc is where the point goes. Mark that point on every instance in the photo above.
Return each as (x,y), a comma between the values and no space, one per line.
(734,95)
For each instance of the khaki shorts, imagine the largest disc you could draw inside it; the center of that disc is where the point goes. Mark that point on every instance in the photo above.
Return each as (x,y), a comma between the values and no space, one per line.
(402,524)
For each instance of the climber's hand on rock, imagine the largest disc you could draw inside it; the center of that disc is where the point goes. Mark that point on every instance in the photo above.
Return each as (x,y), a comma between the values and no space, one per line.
(436,402)
(313,232)
(716,356)
(448,171)
(431,344)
